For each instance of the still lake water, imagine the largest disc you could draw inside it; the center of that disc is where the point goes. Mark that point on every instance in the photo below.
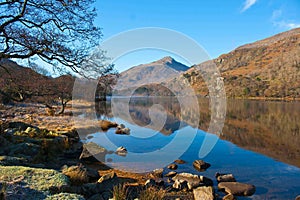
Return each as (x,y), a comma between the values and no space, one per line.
(259,144)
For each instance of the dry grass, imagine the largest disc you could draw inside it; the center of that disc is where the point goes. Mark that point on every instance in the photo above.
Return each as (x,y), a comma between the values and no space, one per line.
(3,191)
(120,192)
(152,193)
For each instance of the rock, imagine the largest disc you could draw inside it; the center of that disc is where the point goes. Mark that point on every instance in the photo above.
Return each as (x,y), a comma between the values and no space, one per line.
(192,180)
(77,174)
(157,173)
(105,124)
(107,177)
(122,151)
(172,166)
(125,131)
(204,193)
(171,174)
(206,181)
(91,150)
(298,197)
(32,130)
(8,160)
(28,149)
(96,197)
(160,182)
(225,177)
(180,185)
(92,173)
(179,161)
(150,183)
(200,165)
(229,197)
(65,196)
(121,126)
(236,188)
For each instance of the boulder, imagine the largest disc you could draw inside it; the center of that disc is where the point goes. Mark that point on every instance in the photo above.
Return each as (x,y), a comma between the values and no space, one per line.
(225,177)
(200,165)
(77,174)
(157,173)
(92,152)
(105,124)
(172,166)
(171,174)
(236,188)
(107,177)
(124,131)
(180,185)
(150,183)
(192,180)
(122,151)
(204,193)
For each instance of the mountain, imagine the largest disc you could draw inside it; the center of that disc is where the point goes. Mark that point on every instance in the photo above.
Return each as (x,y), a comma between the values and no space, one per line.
(266,68)
(154,72)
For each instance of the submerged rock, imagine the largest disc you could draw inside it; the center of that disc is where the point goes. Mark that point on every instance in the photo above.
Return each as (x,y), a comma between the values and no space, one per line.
(200,165)
(179,161)
(225,177)
(236,188)
(204,193)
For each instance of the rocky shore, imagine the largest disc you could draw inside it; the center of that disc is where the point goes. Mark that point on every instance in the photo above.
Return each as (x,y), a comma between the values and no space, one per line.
(42,157)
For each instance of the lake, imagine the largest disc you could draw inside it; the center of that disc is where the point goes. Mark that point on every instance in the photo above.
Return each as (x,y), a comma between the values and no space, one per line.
(259,142)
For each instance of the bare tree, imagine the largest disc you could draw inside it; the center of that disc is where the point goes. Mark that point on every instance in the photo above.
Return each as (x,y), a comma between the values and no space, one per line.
(59,32)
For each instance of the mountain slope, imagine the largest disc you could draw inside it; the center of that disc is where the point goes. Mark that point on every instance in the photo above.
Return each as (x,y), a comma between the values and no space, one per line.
(154,72)
(24,84)
(266,68)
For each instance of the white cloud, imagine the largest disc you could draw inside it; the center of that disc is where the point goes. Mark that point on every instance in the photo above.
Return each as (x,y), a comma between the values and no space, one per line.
(284,24)
(276,14)
(248,4)
(278,20)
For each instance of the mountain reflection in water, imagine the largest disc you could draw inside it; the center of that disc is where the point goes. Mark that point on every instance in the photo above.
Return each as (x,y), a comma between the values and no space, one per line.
(267,127)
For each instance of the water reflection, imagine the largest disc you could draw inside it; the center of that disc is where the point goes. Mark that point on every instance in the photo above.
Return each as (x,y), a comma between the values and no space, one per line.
(270,128)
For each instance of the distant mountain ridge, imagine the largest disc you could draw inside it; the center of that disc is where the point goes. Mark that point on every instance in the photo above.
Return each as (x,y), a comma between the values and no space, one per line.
(154,72)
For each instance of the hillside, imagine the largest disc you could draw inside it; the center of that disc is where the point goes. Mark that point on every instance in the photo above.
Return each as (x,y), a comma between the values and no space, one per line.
(154,72)
(266,68)
(23,84)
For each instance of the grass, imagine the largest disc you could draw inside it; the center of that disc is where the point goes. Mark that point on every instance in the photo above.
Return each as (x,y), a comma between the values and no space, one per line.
(120,192)
(152,193)
(3,191)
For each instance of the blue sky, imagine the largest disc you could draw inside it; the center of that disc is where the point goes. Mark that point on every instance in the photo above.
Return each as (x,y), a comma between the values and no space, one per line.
(218,26)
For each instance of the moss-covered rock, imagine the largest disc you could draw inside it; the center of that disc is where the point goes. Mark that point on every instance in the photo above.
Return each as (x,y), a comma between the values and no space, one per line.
(34,178)
(65,196)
